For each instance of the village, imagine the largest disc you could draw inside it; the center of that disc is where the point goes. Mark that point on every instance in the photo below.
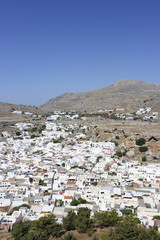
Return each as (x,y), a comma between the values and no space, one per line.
(61,170)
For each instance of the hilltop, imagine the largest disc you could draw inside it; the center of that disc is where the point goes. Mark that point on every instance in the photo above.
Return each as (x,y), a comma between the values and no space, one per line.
(131,94)
(126,94)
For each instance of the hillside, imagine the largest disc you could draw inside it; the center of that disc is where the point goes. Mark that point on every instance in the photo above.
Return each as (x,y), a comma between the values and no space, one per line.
(6,110)
(131,94)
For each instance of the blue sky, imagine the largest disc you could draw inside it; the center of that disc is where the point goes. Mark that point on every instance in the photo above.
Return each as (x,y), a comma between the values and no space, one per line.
(54,46)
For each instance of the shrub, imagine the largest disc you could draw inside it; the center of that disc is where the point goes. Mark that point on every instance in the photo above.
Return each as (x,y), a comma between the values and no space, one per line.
(156,217)
(127,211)
(18,133)
(140,179)
(33,136)
(99,157)
(143,149)
(34,129)
(95,183)
(119,154)
(77,202)
(69,236)
(116,143)
(144,159)
(140,141)
(42,183)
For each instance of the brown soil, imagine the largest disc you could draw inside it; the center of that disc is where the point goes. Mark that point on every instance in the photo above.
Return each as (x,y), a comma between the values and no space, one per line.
(84,236)
(5,236)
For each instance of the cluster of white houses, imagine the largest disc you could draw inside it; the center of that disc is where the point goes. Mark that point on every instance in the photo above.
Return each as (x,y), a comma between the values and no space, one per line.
(40,176)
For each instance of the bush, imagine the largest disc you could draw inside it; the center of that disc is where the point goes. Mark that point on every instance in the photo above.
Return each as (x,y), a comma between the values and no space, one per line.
(33,136)
(34,129)
(119,154)
(143,149)
(77,202)
(95,183)
(127,211)
(42,183)
(128,229)
(140,141)
(140,179)
(99,157)
(116,143)
(144,159)
(69,236)
(18,133)
(156,217)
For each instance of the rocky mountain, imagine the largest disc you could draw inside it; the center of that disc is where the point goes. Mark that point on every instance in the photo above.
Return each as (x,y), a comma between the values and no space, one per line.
(131,94)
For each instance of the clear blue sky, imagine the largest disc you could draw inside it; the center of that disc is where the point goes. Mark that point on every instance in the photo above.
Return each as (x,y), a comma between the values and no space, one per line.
(48,47)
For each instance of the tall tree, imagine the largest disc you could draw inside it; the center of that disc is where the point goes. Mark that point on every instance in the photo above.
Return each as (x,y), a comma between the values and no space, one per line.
(69,221)
(83,222)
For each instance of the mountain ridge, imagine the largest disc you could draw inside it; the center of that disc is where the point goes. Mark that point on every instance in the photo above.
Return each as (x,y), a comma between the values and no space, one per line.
(131,94)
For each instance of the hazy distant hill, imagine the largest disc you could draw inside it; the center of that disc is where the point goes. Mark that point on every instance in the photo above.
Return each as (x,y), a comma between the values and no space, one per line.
(125,93)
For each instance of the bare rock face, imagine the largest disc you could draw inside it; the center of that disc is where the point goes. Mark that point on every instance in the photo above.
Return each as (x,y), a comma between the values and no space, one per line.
(130,154)
(130,94)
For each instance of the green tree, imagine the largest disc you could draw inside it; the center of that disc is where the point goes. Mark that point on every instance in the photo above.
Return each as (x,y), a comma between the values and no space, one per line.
(41,182)
(30,179)
(127,211)
(20,229)
(69,236)
(154,235)
(34,129)
(140,141)
(95,183)
(156,217)
(77,202)
(143,149)
(69,221)
(106,219)
(129,230)
(74,202)
(119,154)
(32,236)
(18,133)
(63,164)
(116,143)
(47,226)
(43,126)
(144,159)
(82,201)
(33,136)
(83,222)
